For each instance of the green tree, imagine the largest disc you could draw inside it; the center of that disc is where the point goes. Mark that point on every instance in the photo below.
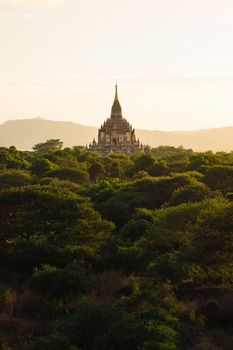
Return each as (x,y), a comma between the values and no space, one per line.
(95,171)
(193,192)
(14,178)
(42,166)
(71,174)
(57,283)
(51,145)
(148,192)
(220,178)
(53,342)
(143,163)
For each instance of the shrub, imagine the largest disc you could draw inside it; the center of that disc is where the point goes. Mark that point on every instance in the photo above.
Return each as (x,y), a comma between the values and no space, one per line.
(57,283)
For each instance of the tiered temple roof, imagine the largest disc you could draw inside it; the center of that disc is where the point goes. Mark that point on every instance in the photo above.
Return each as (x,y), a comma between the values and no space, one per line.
(116,134)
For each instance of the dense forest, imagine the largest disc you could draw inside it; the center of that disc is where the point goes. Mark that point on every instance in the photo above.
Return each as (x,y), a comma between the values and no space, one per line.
(115,252)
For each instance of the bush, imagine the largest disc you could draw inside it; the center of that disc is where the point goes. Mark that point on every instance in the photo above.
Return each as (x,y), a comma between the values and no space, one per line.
(54,342)
(195,192)
(14,178)
(58,283)
(71,174)
(42,166)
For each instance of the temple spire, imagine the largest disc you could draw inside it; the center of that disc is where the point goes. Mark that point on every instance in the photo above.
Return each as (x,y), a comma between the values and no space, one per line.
(116,92)
(116,107)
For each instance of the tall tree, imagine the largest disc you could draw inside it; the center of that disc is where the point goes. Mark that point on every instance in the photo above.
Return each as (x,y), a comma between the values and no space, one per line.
(48,146)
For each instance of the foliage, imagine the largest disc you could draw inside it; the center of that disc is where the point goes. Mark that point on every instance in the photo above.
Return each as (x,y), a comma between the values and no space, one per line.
(42,166)
(71,174)
(14,178)
(220,178)
(53,342)
(48,146)
(118,251)
(57,283)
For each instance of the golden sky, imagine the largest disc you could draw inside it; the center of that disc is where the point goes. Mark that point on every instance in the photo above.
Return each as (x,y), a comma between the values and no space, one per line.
(173,60)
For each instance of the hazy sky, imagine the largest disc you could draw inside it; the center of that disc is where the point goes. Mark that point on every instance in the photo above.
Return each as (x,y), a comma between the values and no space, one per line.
(173,60)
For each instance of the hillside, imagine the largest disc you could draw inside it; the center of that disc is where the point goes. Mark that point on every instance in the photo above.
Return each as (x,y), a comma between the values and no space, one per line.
(27,132)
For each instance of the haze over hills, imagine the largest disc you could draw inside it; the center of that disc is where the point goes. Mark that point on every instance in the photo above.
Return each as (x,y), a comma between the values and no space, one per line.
(25,133)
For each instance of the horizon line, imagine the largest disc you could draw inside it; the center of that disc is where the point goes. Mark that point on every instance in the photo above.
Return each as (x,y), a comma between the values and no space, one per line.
(94,126)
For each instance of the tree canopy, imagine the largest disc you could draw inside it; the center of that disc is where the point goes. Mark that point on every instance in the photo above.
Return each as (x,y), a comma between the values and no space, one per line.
(118,251)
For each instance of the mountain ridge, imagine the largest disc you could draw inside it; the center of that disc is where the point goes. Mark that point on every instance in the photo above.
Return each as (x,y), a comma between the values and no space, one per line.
(25,133)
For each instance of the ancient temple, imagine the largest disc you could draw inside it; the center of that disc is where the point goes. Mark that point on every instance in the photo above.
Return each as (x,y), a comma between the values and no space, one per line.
(116,134)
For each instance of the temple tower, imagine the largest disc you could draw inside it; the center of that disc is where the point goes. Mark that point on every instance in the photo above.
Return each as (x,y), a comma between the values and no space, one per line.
(116,134)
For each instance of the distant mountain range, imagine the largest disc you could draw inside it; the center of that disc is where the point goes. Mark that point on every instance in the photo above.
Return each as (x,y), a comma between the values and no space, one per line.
(25,133)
